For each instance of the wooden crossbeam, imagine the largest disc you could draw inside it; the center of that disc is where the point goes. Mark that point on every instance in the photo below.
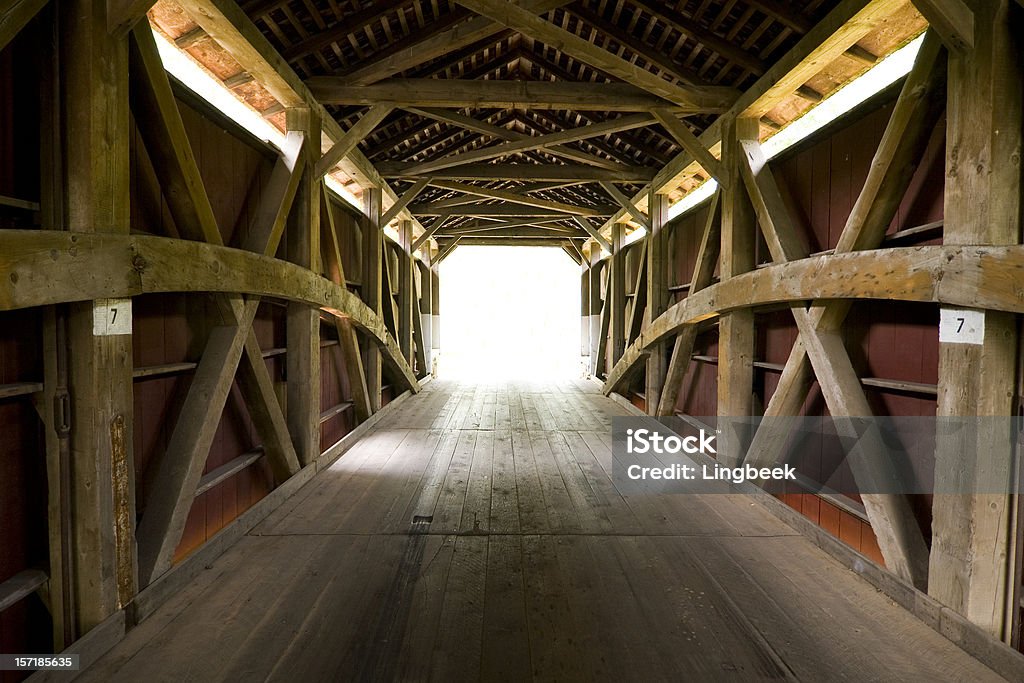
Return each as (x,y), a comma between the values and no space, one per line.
(178,472)
(268,222)
(783,236)
(695,97)
(469,123)
(593,232)
(430,92)
(623,201)
(682,134)
(516,197)
(550,242)
(494,224)
(429,231)
(952,20)
(14,15)
(545,172)
(505,208)
(352,137)
(404,200)
(544,231)
(156,114)
(447,249)
(618,125)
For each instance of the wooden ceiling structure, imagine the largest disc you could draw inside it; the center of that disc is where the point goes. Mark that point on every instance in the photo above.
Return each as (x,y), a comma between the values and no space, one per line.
(534,121)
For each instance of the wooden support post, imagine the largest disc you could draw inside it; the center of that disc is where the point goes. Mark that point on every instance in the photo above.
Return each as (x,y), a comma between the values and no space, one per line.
(435,317)
(373,246)
(406,263)
(657,296)
(585,304)
(969,561)
(735,329)
(424,308)
(617,294)
(51,404)
(596,305)
(303,357)
(95,96)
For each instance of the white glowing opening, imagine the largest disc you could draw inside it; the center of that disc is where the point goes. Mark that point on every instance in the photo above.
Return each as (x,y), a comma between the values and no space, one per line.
(509,313)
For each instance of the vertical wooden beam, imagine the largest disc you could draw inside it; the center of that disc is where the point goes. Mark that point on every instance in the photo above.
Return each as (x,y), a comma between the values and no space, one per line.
(419,351)
(617,294)
(95,96)
(52,403)
(435,317)
(585,304)
(657,296)
(303,326)
(404,327)
(426,312)
(596,306)
(736,256)
(969,561)
(373,246)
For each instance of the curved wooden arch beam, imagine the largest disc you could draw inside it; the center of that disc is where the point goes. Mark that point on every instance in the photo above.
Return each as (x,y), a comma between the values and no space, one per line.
(973,277)
(48,267)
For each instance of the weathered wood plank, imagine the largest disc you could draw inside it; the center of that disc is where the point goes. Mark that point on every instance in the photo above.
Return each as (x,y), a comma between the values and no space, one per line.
(407,92)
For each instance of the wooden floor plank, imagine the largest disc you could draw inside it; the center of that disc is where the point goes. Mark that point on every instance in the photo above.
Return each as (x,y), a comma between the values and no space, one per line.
(460,631)
(448,511)
(505,652)
(476,510)
(504,517)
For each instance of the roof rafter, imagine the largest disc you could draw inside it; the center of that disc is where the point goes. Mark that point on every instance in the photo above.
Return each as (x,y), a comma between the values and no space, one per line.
(526,22)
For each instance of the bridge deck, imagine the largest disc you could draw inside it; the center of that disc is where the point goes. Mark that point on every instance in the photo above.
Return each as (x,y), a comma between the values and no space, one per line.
(476,533)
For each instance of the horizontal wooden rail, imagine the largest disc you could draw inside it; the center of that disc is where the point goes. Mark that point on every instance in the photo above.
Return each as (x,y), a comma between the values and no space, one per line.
(48,267)
(19,389)
(228,470)
(335,411)
(877,382)
(20,586)
(969,276)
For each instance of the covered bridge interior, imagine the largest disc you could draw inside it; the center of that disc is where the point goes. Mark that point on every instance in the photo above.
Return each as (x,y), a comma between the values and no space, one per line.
(228,447)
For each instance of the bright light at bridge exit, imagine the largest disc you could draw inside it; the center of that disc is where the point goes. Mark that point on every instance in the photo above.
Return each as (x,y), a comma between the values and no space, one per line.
(509,313)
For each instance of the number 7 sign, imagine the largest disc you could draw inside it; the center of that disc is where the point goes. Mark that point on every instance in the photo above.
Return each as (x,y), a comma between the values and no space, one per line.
(961,326)
(111,317)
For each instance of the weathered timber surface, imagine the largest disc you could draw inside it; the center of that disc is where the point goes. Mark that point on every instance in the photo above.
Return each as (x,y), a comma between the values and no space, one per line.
(475,534)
